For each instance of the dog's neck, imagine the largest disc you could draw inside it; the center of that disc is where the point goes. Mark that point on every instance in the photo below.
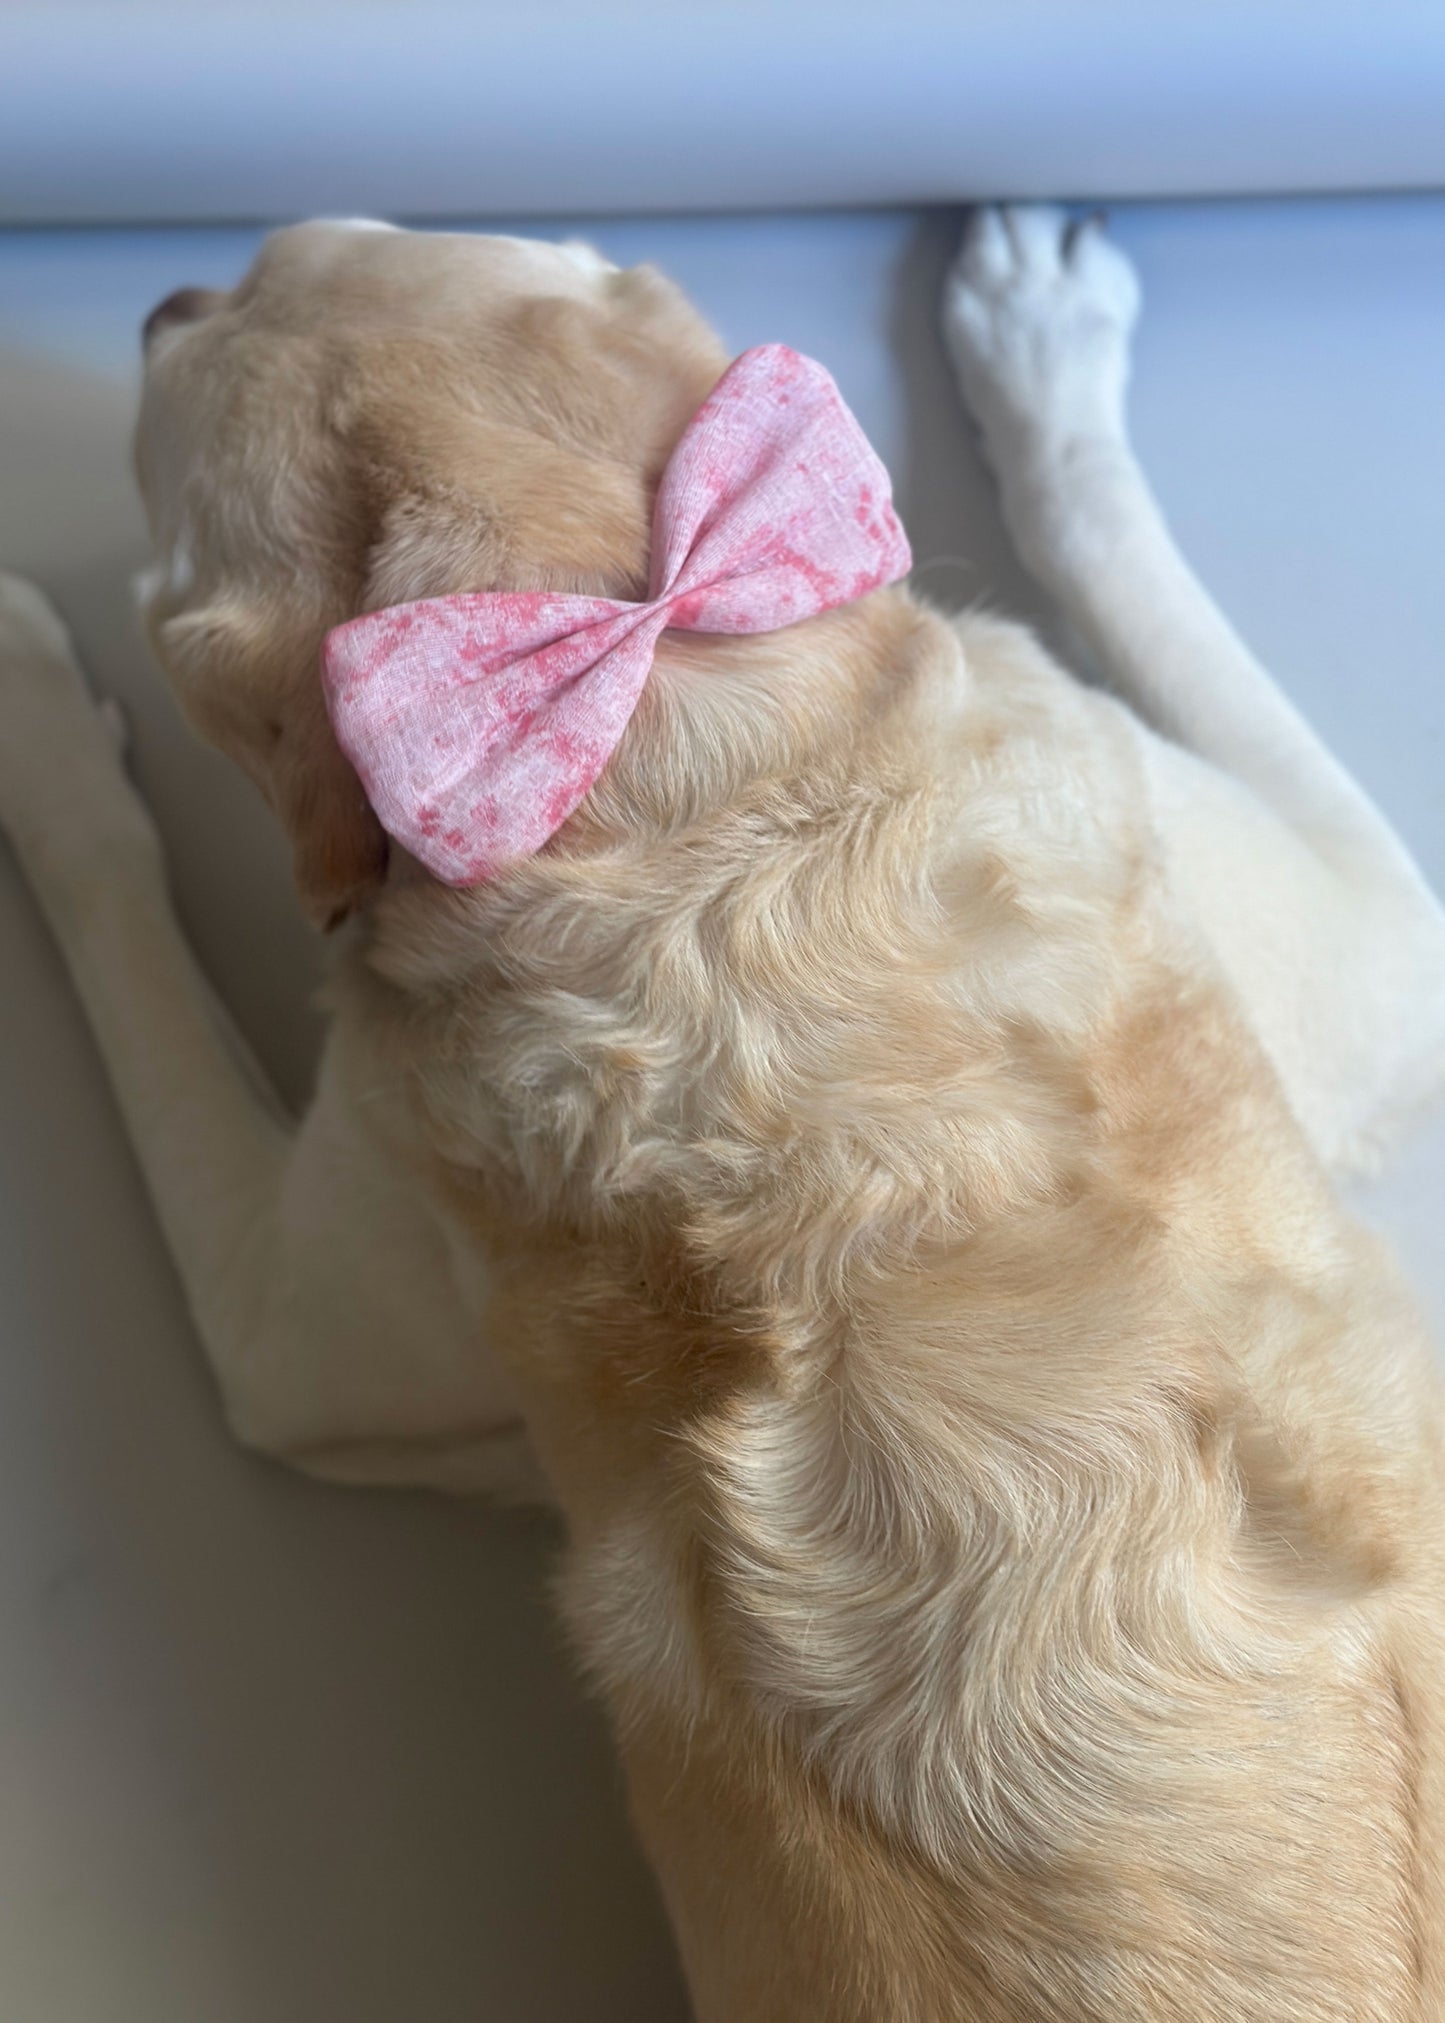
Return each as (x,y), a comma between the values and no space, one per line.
(722,715)
(721,720)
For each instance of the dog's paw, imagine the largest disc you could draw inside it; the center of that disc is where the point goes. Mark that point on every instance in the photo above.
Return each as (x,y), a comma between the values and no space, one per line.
(1037,314)
(63,790)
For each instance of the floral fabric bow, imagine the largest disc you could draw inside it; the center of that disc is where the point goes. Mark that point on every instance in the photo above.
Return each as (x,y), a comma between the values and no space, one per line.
(477,723)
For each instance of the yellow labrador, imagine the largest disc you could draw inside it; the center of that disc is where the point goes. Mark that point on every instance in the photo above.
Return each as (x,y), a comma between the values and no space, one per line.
(883,1148)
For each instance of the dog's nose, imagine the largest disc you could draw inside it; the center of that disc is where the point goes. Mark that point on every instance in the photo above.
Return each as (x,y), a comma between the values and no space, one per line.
(186,305)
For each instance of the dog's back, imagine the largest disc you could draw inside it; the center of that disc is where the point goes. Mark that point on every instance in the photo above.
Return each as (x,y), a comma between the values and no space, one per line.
(1004,1486)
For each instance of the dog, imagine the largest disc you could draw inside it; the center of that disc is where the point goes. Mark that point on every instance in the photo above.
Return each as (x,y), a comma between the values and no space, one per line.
(875,1166)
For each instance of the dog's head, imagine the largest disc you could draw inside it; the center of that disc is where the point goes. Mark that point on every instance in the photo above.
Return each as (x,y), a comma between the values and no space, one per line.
(374,416)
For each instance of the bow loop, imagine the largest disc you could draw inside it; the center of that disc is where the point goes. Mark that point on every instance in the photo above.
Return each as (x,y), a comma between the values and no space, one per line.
(477,723)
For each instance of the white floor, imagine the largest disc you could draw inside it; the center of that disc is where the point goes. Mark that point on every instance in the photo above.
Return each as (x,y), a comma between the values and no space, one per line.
(271,1754)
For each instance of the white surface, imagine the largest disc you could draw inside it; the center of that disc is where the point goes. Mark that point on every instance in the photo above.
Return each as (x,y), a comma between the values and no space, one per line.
(276,1754)
(159,109)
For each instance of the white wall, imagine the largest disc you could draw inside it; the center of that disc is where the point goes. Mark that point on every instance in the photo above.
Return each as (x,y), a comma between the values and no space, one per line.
(162,110)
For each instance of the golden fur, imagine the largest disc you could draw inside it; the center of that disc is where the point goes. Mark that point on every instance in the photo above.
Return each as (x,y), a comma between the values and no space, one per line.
(1004,1489)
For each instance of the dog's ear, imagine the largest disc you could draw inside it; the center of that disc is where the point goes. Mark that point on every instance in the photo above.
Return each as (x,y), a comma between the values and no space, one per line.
(255,693)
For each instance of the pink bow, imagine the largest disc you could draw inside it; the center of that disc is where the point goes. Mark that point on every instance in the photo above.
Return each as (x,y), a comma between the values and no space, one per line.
(477,723)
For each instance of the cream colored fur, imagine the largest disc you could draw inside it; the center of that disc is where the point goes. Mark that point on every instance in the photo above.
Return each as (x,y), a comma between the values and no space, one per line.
(883,1148)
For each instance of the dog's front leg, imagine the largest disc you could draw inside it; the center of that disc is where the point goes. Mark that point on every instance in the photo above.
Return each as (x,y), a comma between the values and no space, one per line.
(1312,901)
(1038,317)
(329,1303)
